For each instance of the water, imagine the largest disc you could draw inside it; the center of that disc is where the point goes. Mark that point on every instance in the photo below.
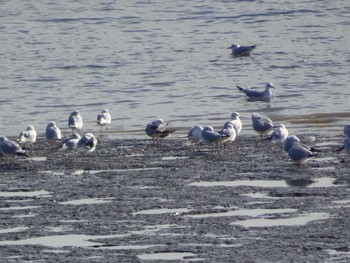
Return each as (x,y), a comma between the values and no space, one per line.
(169,59)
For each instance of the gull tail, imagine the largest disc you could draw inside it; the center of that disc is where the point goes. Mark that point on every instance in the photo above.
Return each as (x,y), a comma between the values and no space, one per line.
(340,149)
(22,153)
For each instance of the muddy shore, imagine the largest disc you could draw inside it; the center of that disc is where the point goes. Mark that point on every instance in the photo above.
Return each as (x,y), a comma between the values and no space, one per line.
(134,202)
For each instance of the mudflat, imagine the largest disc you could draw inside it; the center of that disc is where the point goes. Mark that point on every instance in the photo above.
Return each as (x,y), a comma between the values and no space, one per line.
(132,201)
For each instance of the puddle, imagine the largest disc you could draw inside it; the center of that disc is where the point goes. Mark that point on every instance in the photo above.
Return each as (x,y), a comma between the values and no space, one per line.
(260,196)
(88,201)
(40,193)
(294,221)
(39,159)
(12,230)
(317,182)
(168,256)
(162,211)
(169,158)
(52,172)
(128,247)
(18,208)
(60,241)
(23,216)
(245,212)
(81,172)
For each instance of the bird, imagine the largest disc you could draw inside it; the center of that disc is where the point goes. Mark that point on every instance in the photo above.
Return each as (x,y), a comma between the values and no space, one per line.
(70,143)
(27,137)
(289,142)
(229,131)
(53,133)
(75,121)
(258,95)
(87,144)
(280,133)
(262,125)
(299,153)
(11,148)
(195,135)
(157,129)
(347,130)
(238,50)
(210,137)
(104,119)
(346,146)
(236,122)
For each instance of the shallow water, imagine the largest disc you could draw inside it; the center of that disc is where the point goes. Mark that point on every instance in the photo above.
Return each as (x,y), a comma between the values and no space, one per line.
(145,59)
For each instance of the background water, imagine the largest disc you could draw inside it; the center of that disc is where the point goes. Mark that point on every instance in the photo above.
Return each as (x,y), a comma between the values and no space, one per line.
(169,59)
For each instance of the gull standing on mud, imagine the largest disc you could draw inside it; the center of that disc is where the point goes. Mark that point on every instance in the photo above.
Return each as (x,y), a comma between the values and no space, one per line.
(289,142)
(210,137)
(262,125)
(104,119)
(195,135)
(236,122)
(53,133)
(347,130)
(229,131)
(75,121)
(346,146)
(87,144)
(27,137)
(299,153)
(157,129)
(10,148)
(238,50)
(262,95)
(280,133)
(70,143)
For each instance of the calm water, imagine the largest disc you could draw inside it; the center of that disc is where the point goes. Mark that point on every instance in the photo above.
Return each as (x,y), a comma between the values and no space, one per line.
(169,59)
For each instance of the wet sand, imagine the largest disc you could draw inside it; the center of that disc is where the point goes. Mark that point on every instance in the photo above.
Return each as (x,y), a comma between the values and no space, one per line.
(133,202)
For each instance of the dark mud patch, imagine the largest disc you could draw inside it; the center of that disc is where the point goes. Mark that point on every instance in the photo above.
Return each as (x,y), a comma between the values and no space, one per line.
(133,202)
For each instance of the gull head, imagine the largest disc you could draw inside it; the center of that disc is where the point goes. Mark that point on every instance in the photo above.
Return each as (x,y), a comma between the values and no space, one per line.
(269,85)
(233,46)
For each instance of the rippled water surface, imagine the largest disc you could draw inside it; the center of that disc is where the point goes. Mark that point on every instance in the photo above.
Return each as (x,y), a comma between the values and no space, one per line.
(169,59)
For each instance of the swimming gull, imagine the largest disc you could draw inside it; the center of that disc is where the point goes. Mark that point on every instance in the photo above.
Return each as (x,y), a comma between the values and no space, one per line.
(195,135)
(238,50)
(262,125)
(262,95)
(27,137)
(53,133)
(157,129)
(10,148)
(75,121)
(210,137)
(87,144)
(104,119)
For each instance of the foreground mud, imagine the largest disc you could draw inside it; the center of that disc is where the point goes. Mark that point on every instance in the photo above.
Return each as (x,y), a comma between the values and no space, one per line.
(133,202)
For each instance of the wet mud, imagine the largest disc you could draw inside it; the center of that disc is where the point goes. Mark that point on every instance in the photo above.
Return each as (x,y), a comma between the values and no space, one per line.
(131,201)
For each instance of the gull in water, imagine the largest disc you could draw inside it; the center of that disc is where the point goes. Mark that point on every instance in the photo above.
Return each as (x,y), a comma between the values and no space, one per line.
(27,137)
(210,137)
(347,130)
(229,131)
(195,135)
(157,129)
(75,121)
(53,133)
(262,125)
(104,119)
(10,148)
(236,122)
(70,143)
(299,153)
(280,133)
(262,95)
(87,144)
(238,50)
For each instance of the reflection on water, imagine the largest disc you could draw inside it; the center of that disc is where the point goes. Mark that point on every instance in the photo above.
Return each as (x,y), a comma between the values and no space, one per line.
(88,201)
(162,211)
(40,193)
(169,256)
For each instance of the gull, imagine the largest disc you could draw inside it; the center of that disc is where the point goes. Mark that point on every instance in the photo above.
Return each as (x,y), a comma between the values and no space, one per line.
(195,135)
(157,129)
(229,131)
(70,143)
(236,122)
(238,50)
(87,144)
(210,137)
(347,130)
(346,146)
(75,121)
(27,137)
(299,153)
(262,95)
(289,142)
(10,148)
(262,125)
(280,133)
(53,133)
(104,119)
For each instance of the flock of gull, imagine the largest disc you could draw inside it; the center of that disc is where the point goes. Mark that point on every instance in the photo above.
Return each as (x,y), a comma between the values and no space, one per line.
(158,129)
